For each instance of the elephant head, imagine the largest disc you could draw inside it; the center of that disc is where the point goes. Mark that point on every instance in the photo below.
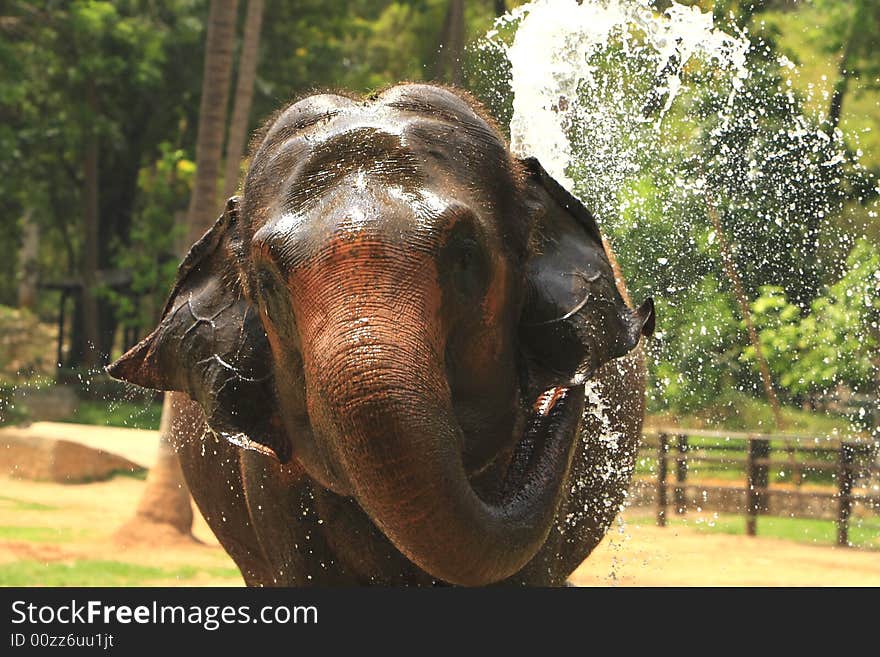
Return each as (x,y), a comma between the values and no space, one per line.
(407,312)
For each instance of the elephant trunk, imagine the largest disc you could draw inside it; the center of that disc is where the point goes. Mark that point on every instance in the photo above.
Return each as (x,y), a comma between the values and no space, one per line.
(377,389)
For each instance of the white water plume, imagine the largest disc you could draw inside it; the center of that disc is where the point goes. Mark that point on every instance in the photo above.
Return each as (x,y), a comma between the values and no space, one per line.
(550,59)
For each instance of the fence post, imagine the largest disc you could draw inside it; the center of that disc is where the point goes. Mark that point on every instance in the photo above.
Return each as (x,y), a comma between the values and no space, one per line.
(681,468)
(662,449)
(845,477)
(758,478)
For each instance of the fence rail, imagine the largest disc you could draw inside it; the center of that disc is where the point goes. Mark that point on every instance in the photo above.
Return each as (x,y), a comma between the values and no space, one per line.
(854,459)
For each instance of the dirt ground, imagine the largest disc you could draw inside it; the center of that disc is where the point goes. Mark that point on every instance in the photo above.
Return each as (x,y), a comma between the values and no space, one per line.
(86,515)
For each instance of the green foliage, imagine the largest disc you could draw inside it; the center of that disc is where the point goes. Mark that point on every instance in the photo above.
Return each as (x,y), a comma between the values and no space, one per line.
(151,256)
(852,27)
(836,342)
(357,46)
(695,354)
(131,415)
(80,71)
(750,159)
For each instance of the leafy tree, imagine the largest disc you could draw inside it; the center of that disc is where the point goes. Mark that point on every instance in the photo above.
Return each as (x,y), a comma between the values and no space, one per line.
(836,343)
(695,356)
(853,33)
(164,189)
(96,88)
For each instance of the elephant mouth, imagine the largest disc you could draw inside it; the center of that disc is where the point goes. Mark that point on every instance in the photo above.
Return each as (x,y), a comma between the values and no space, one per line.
(546,401)
(551,408)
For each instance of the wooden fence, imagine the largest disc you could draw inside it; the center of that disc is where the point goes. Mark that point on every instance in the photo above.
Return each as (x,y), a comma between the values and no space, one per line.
(849,461)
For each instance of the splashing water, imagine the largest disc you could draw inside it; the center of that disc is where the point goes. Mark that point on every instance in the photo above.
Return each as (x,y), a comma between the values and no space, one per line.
(545,90)
(656,121)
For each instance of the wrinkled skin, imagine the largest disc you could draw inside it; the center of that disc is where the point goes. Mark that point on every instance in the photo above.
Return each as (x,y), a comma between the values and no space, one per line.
(407,347)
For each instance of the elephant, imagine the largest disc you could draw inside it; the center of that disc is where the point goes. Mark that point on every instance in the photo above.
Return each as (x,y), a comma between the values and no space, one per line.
(411,357)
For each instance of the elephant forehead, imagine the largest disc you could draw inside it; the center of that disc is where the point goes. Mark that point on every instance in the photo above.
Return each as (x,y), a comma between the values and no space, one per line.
(420,147)
(392,111)
(360,152)
(358,220)
(401,139)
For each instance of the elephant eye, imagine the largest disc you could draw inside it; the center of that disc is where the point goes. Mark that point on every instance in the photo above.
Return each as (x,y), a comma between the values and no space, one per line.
(269,292)
(463,263)
(467,267)
(466,255)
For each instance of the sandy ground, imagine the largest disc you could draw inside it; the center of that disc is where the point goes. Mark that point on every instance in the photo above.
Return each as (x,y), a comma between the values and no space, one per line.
(84,517)
(645,555)
(639,555)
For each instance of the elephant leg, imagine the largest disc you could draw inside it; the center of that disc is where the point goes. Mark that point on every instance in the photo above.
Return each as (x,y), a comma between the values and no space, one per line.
(361,548)
(281,503)
(211,468)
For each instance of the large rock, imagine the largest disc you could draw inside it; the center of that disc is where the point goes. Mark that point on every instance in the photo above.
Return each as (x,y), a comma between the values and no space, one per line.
(24,455)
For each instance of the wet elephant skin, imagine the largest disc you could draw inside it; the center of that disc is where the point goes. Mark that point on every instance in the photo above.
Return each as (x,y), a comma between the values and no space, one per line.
(410,352)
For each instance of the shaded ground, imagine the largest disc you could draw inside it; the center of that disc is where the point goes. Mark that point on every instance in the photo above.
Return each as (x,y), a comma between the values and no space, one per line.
(62,534)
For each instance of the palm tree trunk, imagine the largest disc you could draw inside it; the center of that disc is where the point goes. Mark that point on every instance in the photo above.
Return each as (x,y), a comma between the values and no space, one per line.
(165,504)
(164,510)
(244,95)
(212,116)
(449,64)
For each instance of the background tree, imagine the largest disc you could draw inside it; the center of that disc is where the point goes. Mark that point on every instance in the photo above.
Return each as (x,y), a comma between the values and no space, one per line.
(165,501)
(244,95)
(451,49)
(78,136)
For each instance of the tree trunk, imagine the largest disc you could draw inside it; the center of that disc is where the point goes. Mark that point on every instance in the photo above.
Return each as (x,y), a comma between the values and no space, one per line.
(244,95)
(738,291)
(165,506)
(212,116)
(30,248)
(844,72)
(164,511)
(92,356)
(449,60)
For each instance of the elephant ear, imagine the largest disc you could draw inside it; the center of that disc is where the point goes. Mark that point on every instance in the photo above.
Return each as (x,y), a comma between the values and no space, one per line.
(210,343)
(574,319)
